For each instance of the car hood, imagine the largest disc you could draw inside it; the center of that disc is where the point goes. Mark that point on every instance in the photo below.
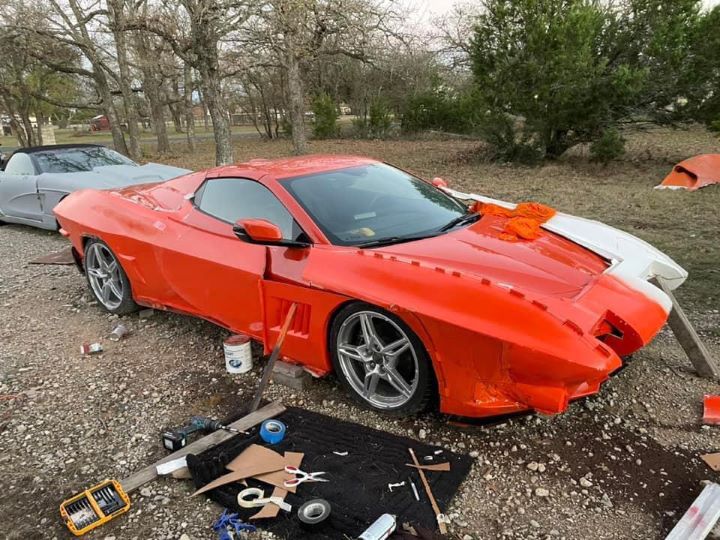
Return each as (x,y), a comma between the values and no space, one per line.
(548,266)
(112,176)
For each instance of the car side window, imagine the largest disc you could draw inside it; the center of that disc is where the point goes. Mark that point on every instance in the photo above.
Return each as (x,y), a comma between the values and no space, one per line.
(231,199)
(20,164)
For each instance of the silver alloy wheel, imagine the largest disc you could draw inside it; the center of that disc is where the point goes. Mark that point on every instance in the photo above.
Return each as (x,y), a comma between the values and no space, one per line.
(103,274)
(378,359)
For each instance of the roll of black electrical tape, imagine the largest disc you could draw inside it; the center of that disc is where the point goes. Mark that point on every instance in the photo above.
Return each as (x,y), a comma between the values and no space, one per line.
(314,514)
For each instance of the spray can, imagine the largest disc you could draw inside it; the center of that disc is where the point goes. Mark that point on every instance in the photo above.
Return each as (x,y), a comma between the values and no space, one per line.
(381,529)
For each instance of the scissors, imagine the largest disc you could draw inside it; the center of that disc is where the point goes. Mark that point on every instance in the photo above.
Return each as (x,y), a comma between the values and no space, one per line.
(302,476)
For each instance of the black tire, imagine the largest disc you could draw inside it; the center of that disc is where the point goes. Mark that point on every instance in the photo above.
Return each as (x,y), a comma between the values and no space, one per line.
(125,302)
(425,390)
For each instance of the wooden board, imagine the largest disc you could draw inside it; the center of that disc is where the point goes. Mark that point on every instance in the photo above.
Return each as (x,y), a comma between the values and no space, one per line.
(149,473)
(694,348)
(63,257)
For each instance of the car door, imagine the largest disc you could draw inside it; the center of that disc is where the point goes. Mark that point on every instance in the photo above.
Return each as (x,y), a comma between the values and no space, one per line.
(18,189)
(217,275)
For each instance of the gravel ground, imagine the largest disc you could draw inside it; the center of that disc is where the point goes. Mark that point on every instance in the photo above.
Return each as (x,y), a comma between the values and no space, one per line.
(623,464)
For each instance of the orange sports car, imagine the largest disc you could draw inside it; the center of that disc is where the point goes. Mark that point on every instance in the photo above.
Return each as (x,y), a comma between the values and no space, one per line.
(410,292)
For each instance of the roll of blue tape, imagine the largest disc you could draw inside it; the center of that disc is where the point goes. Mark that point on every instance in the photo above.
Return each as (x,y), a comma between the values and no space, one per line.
(272,431)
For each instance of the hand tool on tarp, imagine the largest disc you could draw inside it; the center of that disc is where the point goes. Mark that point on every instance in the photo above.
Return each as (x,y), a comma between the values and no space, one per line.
(175,439)
(302,476)
(439,516)
(122,488)
(273,357)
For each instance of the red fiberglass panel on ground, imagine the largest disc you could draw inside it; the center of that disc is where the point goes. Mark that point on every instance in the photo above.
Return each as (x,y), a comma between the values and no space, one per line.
(693,173)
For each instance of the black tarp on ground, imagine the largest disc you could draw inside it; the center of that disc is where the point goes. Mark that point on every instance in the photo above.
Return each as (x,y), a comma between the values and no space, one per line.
(358,486)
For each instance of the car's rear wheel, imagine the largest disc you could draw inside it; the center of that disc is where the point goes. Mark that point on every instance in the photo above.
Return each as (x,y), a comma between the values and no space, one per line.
(380,360)
(107,279)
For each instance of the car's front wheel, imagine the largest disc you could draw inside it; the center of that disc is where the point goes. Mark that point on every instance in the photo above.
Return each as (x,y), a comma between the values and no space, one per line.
(380,360)
(107,279)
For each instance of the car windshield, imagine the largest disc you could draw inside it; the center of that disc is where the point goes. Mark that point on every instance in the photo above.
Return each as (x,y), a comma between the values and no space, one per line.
(373,203)
(80,159)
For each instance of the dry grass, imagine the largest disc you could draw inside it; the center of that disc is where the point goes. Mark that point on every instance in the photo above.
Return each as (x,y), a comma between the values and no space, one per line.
(685,225)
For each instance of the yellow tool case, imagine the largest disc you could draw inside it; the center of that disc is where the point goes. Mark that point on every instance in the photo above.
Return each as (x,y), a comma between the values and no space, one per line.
(94,507)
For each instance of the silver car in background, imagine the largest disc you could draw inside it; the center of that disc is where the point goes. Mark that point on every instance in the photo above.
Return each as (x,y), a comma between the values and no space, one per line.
(35,179)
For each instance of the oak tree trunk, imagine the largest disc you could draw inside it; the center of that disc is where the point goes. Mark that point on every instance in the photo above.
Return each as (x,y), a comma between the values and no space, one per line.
(40,121)
(189,118)
(28,129)
(153,94)
(297,101)
(121,47)
(176,118)
(87,43)
(19,132)
(109,110)
(215,102)
(157,111)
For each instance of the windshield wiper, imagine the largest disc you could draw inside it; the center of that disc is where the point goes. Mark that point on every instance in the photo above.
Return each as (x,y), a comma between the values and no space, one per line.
(393,240)
(465,218)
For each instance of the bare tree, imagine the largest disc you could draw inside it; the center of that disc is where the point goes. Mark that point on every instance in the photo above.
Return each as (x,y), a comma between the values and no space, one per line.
(117,25)
(452,33)
(194,29)
(188,87)
(148,48)
(296,33)
(73,27)
(28,86)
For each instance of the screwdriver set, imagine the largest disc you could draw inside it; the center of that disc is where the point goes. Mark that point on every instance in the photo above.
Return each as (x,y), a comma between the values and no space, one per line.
(94,507)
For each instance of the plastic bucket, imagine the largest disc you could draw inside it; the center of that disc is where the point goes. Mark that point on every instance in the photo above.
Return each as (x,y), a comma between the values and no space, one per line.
(238,356)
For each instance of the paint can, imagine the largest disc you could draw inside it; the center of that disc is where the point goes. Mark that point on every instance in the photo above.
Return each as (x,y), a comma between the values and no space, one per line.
(238,355)
(119,332)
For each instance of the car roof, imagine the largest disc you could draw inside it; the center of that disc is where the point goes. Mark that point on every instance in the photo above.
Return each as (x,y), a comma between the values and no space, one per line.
(34,149)
(292,167)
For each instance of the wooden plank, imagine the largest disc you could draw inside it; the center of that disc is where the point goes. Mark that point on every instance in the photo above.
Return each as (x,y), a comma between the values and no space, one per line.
(273,358)
(64,256)
(439,516)
(149,473)
(694,348)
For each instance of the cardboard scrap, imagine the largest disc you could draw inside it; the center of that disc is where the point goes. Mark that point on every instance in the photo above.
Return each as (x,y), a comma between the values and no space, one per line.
(252,461)
(271,510)
(262,464)
(278,478)
(256,457)
(434,467)
(713,460)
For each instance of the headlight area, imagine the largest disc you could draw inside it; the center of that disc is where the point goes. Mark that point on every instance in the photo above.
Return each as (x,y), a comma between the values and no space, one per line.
(547,382)
(485,376)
